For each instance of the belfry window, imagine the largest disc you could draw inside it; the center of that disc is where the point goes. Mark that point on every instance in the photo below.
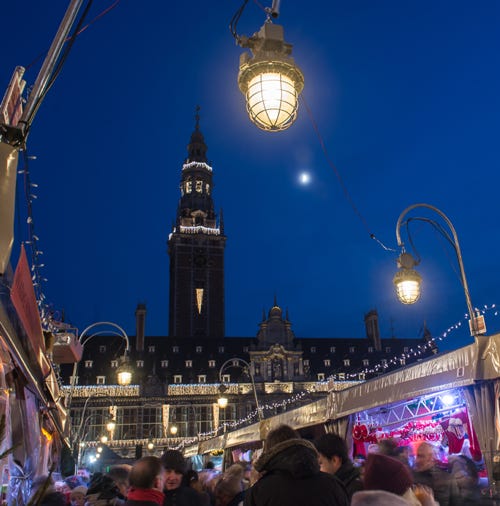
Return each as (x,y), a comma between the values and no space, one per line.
(199,186)
(189,186)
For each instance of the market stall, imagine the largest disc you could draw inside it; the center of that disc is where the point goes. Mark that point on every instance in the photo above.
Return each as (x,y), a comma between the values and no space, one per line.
(451,401)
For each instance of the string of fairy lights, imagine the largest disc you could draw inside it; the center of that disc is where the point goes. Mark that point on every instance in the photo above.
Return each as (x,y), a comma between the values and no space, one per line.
(421,348)
(33,242)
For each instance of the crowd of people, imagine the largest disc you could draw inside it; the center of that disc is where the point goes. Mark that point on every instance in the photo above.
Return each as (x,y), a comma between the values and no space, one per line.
(290,471)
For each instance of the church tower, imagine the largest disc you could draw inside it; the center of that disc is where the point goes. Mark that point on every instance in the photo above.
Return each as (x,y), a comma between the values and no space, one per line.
(196,250)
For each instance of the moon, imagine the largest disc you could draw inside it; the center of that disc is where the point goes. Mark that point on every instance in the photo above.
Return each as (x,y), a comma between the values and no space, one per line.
(305,178)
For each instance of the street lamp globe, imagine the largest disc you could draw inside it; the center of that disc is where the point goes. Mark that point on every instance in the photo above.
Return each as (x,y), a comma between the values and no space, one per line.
(269,79)
(222,402)
(124,374)
(407,280)
(104,439)
(150,445)
(111,425)
(173,430)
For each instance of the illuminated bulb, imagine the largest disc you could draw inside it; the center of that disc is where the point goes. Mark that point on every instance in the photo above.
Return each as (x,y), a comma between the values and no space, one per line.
(222,402)
(407,280)
(269,79)
(448,399)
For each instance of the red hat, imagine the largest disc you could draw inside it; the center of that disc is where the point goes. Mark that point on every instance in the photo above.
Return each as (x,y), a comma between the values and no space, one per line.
(386,473)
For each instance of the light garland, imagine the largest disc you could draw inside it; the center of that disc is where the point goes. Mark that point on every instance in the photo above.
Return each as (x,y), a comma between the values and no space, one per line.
(419,350)
(191,165)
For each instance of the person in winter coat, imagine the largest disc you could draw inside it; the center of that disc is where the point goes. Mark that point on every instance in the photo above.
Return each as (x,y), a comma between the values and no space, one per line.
(176,492)
(230,490)
(334,459)
(291,475)
(103,491)
(147,478)
(427,473)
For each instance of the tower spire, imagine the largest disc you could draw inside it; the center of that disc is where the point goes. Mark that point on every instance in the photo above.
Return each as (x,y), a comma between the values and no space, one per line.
(197,149)
(197,118)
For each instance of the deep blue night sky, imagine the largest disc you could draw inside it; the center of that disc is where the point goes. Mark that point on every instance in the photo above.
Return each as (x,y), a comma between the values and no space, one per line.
(404,95)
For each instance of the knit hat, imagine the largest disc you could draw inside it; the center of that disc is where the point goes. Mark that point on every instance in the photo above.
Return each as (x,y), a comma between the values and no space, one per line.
(386,473)
(173,459)
(376,498)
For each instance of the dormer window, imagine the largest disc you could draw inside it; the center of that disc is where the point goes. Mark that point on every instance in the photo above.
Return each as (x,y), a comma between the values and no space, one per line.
(101,380)
(313,349)
(306,362)
(366,362)
(402,361)
(202,378)
(321,376)
(102,349)
(164,363)
(199,349)
(211,363)
(387,349)
(347,362)
(405,349)
(332,349)
(226,378)
(221,349)
(114,364)
(384,362)
(140,363)
(245,349)
(151,349)
(175,349)
(189,363)
(351,349)
(370,349)
(327,362)
(89,364)
(177,378)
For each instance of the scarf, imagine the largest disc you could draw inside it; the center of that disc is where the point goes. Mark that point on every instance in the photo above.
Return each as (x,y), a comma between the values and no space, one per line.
(145,494)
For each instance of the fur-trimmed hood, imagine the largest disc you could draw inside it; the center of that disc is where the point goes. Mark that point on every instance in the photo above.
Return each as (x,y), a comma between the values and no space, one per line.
(298,457)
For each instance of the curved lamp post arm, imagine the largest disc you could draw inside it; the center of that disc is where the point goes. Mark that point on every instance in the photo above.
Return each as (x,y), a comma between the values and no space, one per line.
(232,361)
(84,339)
(458,252)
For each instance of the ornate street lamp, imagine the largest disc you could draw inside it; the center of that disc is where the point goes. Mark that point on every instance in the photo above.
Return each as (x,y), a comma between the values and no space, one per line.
(124,371)
(268,77)
(222,401)
(407,280)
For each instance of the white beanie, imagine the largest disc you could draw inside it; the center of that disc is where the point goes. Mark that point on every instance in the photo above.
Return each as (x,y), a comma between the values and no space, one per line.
(377,498)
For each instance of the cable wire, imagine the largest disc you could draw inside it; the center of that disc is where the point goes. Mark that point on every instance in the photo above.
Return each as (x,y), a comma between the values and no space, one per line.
(99,16)
(347,195)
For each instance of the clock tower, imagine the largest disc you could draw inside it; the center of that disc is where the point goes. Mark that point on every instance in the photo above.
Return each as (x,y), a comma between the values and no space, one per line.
(196,249)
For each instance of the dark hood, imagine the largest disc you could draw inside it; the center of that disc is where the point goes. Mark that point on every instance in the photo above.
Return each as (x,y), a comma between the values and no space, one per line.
(296,457)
